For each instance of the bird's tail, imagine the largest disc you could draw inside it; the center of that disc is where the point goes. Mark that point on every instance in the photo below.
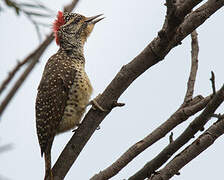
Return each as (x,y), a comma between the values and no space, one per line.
(48,172)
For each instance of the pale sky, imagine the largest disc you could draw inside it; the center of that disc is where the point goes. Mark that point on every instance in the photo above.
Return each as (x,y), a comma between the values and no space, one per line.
(128,27)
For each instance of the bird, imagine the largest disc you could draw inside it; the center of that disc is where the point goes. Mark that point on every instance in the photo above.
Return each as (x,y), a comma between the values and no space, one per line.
(64,89)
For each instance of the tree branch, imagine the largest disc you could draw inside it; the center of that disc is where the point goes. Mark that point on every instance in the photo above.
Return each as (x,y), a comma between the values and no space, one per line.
(177,118)
(5,148)
(192,151)
(12,74)
(199,16)
(212,79)
(22,8)
(194,67)
(71,6)
(196,125)
(150,56)
(33,58)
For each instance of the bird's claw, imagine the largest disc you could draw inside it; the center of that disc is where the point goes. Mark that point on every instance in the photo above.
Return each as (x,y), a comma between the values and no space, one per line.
(95,104)
(77,125)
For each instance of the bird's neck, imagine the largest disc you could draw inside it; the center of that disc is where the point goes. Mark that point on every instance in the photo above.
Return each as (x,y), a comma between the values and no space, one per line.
(74,52)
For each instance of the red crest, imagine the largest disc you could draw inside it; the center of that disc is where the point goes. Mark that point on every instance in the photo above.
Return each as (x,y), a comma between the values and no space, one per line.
(57,24)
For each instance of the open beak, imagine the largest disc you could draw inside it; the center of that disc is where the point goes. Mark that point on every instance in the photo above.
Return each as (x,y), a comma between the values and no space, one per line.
(94,19)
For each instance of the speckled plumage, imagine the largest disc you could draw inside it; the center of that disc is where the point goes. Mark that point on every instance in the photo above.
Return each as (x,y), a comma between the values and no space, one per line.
(63,94)
(64,90)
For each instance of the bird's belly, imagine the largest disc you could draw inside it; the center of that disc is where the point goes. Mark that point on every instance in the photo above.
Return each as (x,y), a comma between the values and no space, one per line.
(78,99)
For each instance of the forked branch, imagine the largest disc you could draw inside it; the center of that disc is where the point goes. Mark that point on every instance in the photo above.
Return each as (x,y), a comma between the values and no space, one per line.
(192,151)
(194,67)
(196,125)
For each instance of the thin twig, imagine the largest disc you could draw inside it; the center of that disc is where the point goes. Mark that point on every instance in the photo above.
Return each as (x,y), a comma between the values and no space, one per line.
(35,25)
(194,67)
(5,148)
(71,6)
(171,137)
(196,125)
(15,70)
(191,152)
(178,117)
(35,56)
(217,116)
(12,74)
(20,7)
(212,79)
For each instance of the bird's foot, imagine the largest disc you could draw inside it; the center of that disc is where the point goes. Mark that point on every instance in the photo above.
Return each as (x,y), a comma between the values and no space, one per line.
(77,125)
(95,104)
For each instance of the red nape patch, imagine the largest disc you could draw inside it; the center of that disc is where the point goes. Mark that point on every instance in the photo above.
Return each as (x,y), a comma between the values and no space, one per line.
(57,24)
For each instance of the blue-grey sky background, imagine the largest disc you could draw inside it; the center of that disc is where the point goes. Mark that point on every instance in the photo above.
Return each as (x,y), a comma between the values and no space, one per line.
(128,27)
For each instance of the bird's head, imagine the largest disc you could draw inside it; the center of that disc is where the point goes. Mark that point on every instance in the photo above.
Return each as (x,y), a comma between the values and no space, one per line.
(71,29)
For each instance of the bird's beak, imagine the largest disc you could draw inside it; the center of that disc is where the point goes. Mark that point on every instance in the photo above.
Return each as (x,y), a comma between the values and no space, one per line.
(94,19)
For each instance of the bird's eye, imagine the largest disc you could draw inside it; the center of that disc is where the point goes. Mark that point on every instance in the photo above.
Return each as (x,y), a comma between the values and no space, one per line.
(67,18)
(76,20)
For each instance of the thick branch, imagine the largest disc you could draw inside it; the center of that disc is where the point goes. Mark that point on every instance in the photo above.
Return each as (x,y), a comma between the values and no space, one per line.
(151,55)
(185,7)
(199,16)
(192,151)
(189,133)
(33,58)
(176,12)
(194,66)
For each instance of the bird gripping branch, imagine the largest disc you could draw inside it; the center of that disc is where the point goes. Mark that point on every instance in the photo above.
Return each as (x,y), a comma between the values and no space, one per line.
(64,90)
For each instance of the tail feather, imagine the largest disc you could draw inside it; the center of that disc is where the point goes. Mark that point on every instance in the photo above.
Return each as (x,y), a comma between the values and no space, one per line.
(48,171)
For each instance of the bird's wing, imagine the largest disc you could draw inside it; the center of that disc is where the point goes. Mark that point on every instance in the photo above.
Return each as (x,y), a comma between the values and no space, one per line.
(51,99)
